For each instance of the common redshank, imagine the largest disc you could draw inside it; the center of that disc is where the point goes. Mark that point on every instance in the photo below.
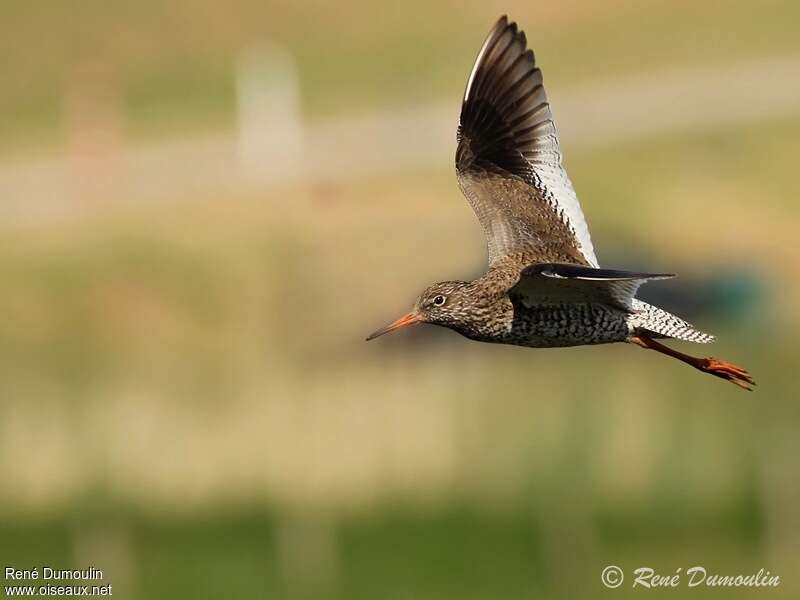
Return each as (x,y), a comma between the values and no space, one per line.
(544,287)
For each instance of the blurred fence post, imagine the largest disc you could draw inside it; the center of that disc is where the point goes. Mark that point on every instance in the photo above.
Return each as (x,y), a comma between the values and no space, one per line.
(269,120)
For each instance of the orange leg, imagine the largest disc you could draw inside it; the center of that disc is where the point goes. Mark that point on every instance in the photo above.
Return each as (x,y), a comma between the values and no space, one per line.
(720,368)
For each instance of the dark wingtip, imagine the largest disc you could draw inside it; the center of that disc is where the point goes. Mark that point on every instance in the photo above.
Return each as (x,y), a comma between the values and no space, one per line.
(583,272)
(498,26)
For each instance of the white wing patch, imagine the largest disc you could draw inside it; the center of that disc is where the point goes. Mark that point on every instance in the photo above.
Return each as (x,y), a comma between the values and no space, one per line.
(557,182)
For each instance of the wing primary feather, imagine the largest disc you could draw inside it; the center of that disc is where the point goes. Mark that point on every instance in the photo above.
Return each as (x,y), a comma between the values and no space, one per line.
(508,158)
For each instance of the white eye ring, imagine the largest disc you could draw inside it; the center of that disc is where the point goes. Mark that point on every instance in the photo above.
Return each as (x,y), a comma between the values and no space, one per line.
(438,300)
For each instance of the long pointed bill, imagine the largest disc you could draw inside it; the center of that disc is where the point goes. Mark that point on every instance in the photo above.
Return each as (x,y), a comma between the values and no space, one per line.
(404,321)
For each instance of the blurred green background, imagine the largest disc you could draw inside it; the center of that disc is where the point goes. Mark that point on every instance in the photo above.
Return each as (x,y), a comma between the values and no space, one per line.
(206,206)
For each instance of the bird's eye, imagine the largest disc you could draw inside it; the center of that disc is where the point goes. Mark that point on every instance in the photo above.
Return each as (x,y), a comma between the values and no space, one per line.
(438,300)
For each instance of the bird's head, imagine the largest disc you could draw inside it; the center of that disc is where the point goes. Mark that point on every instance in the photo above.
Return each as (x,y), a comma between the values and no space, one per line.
(446,303)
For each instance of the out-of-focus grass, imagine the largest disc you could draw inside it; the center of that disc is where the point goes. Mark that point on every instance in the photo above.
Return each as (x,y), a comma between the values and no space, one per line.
(353,56)
(402,552)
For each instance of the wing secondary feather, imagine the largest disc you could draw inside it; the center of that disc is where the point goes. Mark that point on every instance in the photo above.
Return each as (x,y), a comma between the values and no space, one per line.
(553,283)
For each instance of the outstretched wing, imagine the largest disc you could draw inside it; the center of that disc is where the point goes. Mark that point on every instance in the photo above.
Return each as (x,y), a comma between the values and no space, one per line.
(552,283)
(509,159)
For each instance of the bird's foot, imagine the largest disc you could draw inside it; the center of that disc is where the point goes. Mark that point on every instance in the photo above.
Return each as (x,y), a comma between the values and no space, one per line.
(726,370)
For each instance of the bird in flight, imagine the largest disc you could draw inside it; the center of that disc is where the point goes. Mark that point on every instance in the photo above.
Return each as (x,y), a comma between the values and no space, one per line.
(544,287)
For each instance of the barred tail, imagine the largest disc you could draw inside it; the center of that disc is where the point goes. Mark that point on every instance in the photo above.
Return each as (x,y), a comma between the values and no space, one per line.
(664,324)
